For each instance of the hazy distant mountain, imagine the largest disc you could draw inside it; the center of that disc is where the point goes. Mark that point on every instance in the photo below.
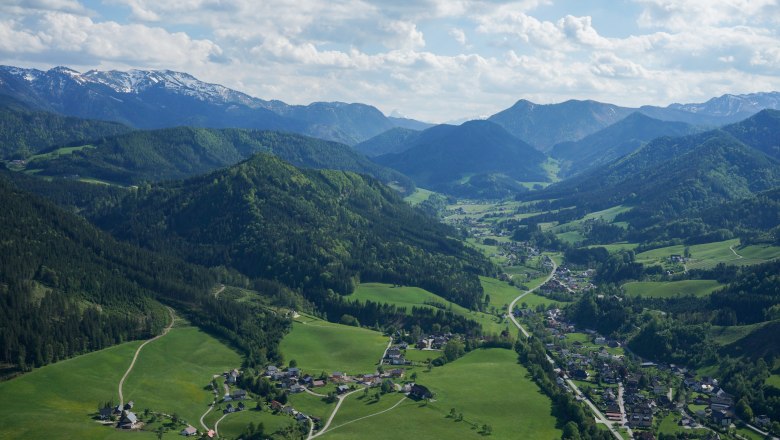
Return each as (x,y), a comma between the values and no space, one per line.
(394,140)
(617,140)
(544,126)
(478,158)
(158,99)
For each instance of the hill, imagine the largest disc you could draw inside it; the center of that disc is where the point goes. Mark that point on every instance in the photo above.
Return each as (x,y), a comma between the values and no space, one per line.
(761,132)
(546,125)
(67,288)
(24,131)
(476,159)
(175,153)
(615,141)
(309,229)
(152,99)
(395,140)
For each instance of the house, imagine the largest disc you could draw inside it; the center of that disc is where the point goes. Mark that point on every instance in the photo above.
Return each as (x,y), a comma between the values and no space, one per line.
(600,340)
(276,406)
(420,392)
(239,395)
(128,421)
(240,406)
(129,405)
(763,421)
(229,409)
(580,374)
(721,418)
(293,371)
(341,389)
(189,431)
(271,370)
(232,376)
(288,410)
(398,361)
(297,389)
(397,372)
(318,383)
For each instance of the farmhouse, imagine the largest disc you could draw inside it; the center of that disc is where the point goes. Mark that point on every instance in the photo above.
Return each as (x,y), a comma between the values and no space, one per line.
(128,421)
(420,392)
(188,431)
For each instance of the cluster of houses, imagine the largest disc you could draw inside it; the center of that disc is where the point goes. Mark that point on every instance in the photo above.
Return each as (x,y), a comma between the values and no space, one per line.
(720,404)
(433,341)
(127,419)
(394,355)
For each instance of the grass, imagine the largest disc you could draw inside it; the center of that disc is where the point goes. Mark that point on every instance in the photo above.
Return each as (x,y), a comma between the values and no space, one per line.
(415,297)
(57,401)
(418,196)
(323,346)
(64,151)
(609,214)
(669,426)
(171,373)
(725,335)
(234,424)
(703,256)
(616,247)
(487,386)
(571,237)
(671,289)
(501,293)
(312,405)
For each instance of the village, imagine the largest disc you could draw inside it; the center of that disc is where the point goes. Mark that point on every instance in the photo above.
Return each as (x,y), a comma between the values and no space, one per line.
(629,391)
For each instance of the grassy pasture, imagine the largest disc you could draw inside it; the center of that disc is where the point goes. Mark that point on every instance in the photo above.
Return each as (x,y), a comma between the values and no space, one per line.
(671,289)
(725,335)
(171,373)
(418,196)
(234,424)
(487,386)
(64,151)
(64,395)
(415,297)
(702,255)
(323,346)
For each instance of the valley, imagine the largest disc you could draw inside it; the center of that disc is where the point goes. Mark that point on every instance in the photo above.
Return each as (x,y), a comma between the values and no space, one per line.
(245,268)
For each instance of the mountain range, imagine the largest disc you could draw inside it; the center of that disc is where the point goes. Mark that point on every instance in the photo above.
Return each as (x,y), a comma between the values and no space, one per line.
(158,99)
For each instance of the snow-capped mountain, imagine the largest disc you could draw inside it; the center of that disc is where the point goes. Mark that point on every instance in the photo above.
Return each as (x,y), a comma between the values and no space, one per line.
(740,106)
(164,98)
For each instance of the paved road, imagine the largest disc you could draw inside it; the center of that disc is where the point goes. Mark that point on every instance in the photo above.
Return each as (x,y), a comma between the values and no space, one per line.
(216,396)
(135,356)
(599,416)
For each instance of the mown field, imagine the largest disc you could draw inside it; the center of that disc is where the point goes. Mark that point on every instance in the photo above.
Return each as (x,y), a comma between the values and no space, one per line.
(318,345)
(415,297)
(418,196)
(671,289)
(487,386)
(58,401)
(171,373)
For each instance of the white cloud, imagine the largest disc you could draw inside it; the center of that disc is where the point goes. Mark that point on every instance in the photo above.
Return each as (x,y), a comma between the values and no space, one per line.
(458,35)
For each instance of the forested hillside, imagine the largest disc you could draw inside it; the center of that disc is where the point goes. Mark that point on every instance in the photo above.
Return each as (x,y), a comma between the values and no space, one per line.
(176,153)
(312,230)
(24,132)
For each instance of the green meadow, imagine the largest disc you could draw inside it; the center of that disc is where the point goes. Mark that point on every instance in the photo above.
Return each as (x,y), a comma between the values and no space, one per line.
(725,335)
(234,424)
(488,386)
(318,345)
(59,400)
(703,256)
(418,196)
(171,373)
(671,289)
(415,297)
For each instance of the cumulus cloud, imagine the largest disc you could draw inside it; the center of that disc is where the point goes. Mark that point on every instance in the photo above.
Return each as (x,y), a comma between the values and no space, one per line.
(400,55)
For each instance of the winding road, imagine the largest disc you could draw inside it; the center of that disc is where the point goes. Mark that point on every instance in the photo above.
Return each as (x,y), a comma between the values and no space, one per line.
(599,416)
(333,414)
(135,356)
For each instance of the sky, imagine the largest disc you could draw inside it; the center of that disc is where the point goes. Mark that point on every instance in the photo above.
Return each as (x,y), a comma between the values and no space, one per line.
(433,60)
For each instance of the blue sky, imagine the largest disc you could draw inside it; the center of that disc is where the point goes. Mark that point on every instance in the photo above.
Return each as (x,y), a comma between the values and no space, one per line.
(435,60)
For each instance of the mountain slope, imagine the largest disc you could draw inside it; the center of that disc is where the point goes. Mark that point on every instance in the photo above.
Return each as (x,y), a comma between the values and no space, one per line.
(68,288)
(159,99)
(395,140)
(761,132)
(546,125)
(478,158)
(670,177)
(24,132)
(175,153)
(309,229)
(615,141)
